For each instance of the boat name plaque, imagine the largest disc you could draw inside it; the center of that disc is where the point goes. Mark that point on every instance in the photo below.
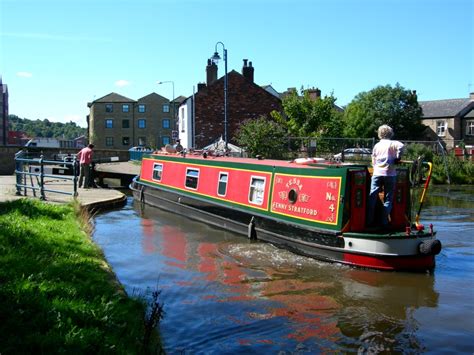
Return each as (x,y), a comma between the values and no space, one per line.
(307,197)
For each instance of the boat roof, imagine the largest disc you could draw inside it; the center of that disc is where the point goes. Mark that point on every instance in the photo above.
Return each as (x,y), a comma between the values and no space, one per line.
(311,163)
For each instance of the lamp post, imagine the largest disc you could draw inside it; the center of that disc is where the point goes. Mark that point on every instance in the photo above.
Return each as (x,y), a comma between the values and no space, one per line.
(174,107)
(215,58)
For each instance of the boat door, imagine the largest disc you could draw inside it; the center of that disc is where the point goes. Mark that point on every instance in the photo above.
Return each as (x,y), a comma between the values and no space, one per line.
(358,202)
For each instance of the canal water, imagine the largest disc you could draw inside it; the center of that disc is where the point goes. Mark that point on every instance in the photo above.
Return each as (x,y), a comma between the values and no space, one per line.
(223,294)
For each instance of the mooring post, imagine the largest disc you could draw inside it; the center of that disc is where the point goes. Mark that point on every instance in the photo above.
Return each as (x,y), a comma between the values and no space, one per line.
(74,173)
(42,197)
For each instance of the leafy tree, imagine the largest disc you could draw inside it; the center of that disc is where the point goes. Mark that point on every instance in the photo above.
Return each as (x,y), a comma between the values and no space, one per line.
(45,128)
(306,117)
(262,136)
(394,106)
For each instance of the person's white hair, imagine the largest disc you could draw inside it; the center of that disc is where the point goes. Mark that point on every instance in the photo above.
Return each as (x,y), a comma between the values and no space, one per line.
(385,132)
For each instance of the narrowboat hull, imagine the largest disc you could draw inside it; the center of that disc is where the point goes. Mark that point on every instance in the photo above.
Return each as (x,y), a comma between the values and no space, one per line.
(390,250)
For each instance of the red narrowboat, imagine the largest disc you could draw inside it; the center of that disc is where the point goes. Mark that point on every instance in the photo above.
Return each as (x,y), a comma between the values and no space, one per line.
(310,206)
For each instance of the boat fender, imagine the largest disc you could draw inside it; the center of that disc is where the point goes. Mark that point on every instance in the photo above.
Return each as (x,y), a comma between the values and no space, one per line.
(251,232)
(142,195)
(430,247)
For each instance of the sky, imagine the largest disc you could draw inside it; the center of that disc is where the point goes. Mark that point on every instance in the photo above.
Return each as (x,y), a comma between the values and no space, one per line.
(58,55)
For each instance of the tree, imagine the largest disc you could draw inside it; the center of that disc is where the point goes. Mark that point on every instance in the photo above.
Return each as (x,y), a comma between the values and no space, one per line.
(45,128)
(305,116)
(262,136)
(394,106)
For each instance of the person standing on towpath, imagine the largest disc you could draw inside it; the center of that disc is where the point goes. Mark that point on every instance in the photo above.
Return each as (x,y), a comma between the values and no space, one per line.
(85,160)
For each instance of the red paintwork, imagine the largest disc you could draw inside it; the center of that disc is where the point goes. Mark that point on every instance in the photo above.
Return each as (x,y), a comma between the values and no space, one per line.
(391,263)
(358,191)
(317,197)
(400,204)
(238,180)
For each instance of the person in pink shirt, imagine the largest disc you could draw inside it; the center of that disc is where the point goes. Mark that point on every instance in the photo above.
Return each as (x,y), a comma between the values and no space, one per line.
(85,160)
(385,155)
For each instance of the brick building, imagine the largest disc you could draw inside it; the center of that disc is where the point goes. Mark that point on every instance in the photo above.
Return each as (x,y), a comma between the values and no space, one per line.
(3,113)
(201,116)
(118,122)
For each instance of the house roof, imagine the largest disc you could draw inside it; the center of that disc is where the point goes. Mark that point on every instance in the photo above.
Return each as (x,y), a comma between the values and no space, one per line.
(152,95)
(231,74)
(114,97)
(445,108)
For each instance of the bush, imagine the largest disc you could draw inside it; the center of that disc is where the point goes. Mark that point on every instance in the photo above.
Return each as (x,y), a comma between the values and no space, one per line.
(459,171)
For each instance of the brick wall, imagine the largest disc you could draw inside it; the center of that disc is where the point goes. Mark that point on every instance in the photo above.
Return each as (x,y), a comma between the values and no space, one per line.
(245,100)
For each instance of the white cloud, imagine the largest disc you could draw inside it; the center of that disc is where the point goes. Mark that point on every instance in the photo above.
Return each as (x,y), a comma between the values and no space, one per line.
(122,83)
(24,74)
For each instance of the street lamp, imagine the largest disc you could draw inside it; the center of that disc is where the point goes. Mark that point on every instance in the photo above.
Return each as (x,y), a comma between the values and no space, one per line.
(174,107)
(215,58)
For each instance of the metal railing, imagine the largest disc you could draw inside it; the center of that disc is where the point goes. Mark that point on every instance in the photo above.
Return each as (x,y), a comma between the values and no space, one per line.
(38,169)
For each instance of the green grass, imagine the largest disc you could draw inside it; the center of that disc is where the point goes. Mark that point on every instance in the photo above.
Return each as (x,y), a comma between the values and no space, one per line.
(56,293)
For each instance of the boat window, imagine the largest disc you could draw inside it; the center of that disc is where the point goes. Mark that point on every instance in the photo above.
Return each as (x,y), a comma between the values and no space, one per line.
(192,176)
(222,187)
(257,189)
(157,171)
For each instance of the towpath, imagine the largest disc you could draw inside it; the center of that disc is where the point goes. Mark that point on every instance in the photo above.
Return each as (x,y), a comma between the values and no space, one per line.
(89,198)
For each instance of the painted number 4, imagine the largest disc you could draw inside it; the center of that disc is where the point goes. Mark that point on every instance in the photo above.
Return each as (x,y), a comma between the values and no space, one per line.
(331,207)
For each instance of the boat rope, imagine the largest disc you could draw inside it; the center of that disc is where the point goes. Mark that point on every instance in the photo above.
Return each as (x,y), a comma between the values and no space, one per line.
(418,225)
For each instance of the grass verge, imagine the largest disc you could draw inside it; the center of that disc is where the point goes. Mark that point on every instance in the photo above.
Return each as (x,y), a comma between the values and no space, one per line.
(56,293)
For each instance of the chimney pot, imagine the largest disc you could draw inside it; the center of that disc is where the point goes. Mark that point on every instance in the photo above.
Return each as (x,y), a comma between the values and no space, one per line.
(201,86)
(211,72)
(247,71)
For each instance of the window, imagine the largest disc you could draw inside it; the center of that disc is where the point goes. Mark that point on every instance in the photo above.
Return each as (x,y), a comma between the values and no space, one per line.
(141,108)
(182,119)
(166,123)
(165,140)
(125,108)
(157,171)
(125,124)
(257,189)
(441,128)
(222,186)
(470,128)
(192,177)
(141,140)
(126,140)
(142,123)
(109,141)
(109,108)
(109,123)
(166,108)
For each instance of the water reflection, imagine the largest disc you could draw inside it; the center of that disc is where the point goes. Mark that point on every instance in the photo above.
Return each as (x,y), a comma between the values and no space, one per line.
(224,294)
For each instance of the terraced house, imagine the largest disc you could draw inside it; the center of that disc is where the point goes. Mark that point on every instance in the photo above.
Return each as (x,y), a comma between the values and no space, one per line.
(451,121)
(118,122)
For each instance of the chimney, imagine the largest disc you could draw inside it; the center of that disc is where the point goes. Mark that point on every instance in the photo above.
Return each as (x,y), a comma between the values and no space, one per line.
(247,70)
(314,94)
(211,72)
(201,86)
(471,96)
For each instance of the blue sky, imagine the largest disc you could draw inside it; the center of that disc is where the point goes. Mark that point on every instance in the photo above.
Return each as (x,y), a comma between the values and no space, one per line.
(57,55)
